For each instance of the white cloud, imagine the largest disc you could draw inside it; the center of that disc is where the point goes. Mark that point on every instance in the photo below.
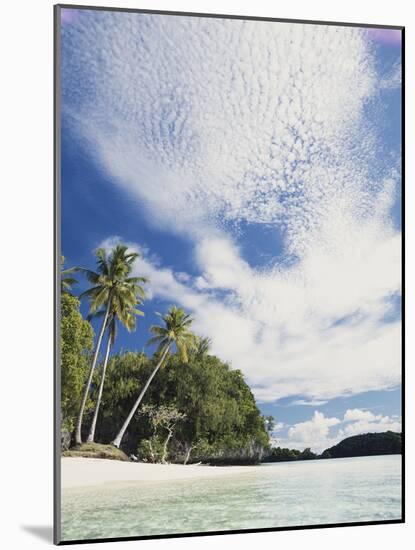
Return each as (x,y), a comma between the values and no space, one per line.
(359,415)
(319,433)
(364,421)
(278,426)
(312,433)
(207,120)
(272,328)
(212,123)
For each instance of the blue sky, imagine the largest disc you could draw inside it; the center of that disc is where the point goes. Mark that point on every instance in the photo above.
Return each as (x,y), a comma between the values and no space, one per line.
(256,168)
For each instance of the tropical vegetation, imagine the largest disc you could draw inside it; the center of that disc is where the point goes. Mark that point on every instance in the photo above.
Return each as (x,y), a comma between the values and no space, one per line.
(278,454)
(115,292)
(178,404)
(174,331)
(76,344)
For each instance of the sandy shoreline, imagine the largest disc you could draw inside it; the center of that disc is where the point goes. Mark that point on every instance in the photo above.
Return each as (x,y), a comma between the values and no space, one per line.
(82,472)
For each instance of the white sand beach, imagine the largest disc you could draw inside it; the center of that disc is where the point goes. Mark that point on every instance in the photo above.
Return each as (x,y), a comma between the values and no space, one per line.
(82,472)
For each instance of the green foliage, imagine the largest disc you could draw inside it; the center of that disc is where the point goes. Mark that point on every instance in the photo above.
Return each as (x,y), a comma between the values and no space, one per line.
(201,347)
(222,425)
(77,338)
(111,282)
(67,281)
(174,330)
(113,295)
(125,314)
(278,454)
(196,409)
(126,375)
(150,450)
(385,443)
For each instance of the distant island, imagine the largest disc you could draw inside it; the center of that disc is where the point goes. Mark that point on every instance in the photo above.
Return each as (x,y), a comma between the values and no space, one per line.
(384,443)
(370,444)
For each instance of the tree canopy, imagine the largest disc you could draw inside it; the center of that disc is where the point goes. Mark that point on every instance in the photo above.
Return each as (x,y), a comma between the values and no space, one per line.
(222,425)
(77,338)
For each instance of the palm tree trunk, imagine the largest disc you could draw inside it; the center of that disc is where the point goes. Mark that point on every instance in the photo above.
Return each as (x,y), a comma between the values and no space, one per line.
(78,435)
(120,435)
(99,397)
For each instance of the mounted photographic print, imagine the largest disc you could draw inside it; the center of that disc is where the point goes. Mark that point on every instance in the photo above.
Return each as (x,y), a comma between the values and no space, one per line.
(228,274)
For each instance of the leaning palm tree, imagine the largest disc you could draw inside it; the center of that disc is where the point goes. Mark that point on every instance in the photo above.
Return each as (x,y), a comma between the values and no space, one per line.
(111,285)
(67,281)
(176,331)
(126,315)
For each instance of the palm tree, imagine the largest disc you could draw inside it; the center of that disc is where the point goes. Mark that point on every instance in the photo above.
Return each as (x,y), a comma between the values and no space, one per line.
(66,280)
(127,317)
(202,347)
(112,287)
(176,331)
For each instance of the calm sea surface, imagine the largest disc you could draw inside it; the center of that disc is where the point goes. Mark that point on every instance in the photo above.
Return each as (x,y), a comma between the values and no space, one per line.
(275,495)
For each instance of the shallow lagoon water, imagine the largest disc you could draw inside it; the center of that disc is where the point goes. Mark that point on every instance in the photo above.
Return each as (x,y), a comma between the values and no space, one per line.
(274,495)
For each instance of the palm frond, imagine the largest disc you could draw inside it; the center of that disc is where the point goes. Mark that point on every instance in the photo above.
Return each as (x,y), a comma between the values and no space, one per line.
(156,340)
(176,330)
(113,287)
(66,280)
(92,276)
(90,292)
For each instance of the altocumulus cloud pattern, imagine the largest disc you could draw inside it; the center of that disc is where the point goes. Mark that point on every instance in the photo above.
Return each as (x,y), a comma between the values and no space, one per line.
(214,124)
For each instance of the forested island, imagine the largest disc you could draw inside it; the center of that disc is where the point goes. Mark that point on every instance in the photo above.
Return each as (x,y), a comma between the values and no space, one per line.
(370,444)
(384,443)
(180,404)
(195,411)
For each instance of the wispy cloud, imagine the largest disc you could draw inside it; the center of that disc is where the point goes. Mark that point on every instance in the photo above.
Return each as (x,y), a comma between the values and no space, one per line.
(273,328)
(209,120)
(214,123)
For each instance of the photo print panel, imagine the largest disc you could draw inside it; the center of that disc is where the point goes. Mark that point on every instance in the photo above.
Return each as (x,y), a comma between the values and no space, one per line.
(229,337)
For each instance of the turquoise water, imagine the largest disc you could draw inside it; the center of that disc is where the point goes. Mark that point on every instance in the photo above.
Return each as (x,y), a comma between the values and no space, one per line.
(274,495)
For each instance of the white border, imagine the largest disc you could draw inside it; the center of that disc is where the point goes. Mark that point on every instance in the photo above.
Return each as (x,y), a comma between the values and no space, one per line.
(26,229)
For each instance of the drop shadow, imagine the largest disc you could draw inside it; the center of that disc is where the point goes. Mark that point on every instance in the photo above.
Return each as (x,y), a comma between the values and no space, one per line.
(43,532)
